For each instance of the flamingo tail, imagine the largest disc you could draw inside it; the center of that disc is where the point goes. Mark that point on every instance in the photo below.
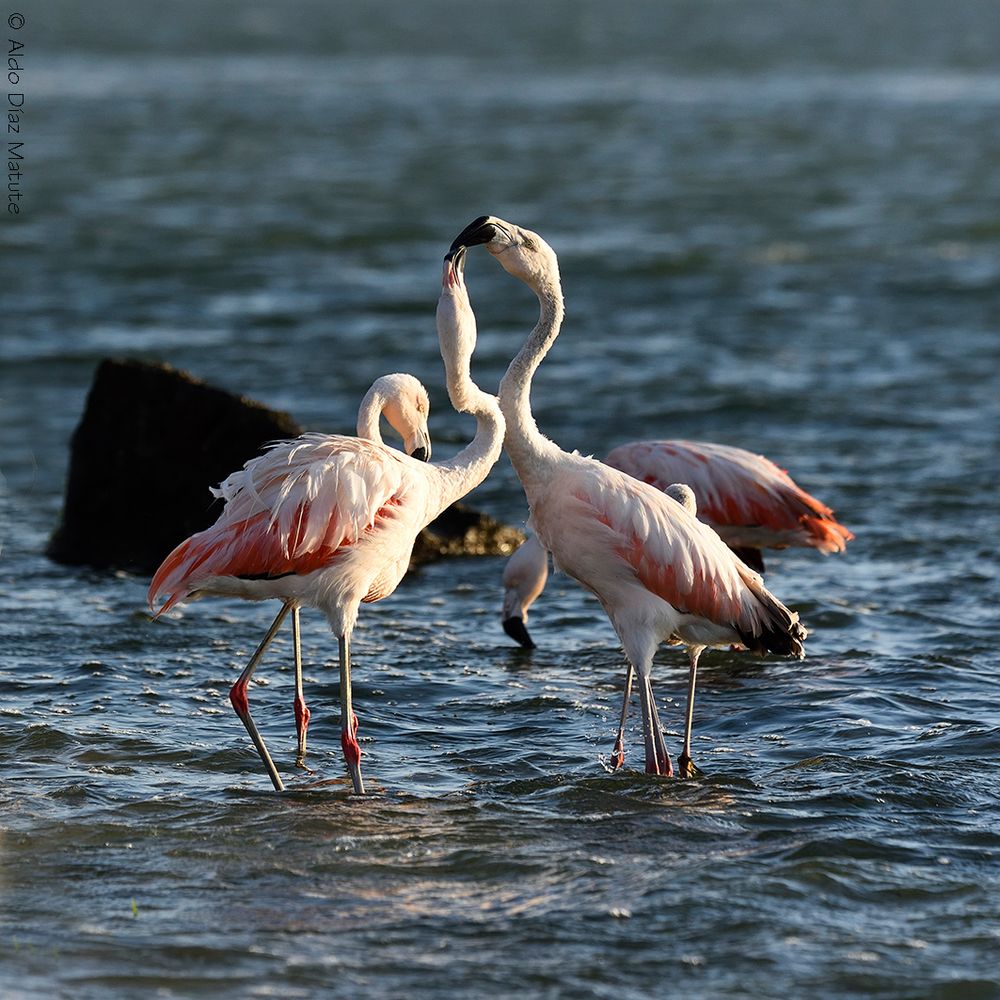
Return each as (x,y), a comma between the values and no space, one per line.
(779,630)
(826,533)
(167,579)
(175,578)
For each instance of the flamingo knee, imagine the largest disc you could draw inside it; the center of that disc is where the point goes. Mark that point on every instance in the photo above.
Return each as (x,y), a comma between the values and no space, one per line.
(351,748)
(302,716)
(238,697)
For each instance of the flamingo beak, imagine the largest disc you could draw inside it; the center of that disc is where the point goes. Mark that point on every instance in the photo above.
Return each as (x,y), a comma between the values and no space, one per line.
(515,628)
(456,255)
(480,231)
(419,446)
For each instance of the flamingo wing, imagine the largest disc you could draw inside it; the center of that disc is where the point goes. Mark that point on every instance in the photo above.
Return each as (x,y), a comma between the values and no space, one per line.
(289,511)
(746,497)
(636,531)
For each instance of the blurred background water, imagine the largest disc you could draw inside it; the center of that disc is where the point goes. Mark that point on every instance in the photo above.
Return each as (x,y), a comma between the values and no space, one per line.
(779,227)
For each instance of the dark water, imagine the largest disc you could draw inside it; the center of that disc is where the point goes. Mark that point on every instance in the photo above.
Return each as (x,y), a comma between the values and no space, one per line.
(778,228)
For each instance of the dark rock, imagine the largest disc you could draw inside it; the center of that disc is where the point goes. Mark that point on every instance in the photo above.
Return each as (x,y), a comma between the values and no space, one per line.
(153,439)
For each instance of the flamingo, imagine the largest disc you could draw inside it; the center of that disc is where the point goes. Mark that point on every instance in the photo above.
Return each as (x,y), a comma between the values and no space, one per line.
(404,402)
(659,573)
(329,521)
(750,502)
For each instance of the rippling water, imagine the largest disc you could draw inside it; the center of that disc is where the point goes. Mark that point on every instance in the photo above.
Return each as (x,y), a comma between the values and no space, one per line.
(777,226)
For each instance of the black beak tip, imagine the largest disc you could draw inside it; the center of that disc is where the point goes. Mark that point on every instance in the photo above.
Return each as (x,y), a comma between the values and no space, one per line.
(514,627)
(478,231)
(421,454)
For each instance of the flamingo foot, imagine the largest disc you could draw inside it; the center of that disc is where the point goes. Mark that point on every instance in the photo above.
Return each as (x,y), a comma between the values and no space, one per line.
(686,767)
(618,755)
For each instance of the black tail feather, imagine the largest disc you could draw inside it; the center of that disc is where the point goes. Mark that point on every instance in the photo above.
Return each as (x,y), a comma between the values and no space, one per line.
(782,634)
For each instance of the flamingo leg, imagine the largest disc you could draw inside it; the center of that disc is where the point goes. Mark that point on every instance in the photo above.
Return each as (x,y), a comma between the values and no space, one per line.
(685,765)
(662,757)
(618,753)
(301,710)
(647,729)
(657,758)
(348,720)
(241,704)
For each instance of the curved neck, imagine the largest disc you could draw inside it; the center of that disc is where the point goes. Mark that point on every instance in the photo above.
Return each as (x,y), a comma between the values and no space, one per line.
(472,464)
(369,413)
(525,443)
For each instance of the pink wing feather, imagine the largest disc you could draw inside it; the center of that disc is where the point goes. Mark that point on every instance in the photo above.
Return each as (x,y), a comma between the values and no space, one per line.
(671,553)
(675,556)
(288,511)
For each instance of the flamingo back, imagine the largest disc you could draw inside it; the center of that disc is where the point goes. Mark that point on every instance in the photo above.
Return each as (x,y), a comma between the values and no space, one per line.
(290,511)
(748,499)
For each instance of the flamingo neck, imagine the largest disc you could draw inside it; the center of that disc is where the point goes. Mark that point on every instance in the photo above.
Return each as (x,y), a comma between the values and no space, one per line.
(525,444)
(369,413)
(472,464)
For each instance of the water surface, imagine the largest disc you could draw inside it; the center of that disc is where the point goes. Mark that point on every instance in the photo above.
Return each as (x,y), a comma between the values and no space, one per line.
(777,229)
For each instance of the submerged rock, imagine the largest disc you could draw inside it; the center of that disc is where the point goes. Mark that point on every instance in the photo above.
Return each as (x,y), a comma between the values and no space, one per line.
(152,440)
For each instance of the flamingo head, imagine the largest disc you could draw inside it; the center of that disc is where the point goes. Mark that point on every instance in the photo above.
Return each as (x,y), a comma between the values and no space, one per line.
(524,579)
(454,271)
(407,408)
(521,253)
(684,495)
